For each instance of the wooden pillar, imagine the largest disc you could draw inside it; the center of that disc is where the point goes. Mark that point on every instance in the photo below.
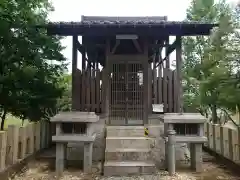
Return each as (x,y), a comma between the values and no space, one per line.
(167,72)
(155,79)
(179,75)
(107,81)
(150,94)
(160,98)
(75,99)
(145,83)
(166,66)
(167,57)
(83,55)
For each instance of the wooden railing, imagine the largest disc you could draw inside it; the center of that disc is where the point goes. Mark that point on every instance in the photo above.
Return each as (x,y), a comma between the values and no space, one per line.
(17,143)
(163,89)
(89,90)
(224,141)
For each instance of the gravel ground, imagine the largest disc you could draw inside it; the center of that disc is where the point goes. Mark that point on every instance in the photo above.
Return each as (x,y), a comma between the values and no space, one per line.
(42,170)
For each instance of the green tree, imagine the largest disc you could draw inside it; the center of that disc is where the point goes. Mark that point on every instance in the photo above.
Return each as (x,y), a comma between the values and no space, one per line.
(209,62)
(29,83)
(65,102)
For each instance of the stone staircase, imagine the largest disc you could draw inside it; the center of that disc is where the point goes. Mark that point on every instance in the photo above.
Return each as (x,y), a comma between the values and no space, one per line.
(127,151)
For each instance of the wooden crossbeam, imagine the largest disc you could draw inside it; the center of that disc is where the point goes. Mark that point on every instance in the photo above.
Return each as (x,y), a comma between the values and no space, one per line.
(115,46)
(137,45)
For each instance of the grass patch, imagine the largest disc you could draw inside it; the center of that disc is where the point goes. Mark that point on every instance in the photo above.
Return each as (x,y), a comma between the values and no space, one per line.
(13,120)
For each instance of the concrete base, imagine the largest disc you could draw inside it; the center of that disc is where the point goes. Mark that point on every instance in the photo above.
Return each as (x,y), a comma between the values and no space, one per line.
(112,168)
(129,142)
(196,157)
(156,132)
(125,131)
(128,155)
(128,152)
(60,159)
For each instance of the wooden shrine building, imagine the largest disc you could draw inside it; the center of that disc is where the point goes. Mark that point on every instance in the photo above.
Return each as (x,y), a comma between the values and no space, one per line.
(124,70)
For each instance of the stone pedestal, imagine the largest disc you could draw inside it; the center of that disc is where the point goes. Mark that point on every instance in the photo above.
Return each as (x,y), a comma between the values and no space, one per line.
(86,136)
(171,152)
(60,164)
(195,137)
(87,163)
(196,157)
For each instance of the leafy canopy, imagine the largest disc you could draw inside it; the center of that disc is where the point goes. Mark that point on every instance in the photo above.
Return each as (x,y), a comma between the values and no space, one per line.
(31,62)
(211,64)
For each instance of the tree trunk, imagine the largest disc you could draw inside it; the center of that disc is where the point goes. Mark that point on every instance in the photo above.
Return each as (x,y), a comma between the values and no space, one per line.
(214,114)
(238,113)
(3,120)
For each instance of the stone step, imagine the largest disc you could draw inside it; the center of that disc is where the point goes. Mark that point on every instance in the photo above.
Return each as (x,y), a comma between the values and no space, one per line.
(127,168)
(125,131)
(154,119)
(129,142)
(128,155)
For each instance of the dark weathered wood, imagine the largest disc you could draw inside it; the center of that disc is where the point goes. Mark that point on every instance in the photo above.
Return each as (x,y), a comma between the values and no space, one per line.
(80,47)
(137,45)
(75,99)
(83,54)
(160,86)
(166,53)
(175,90)
(88,90)
(145,83)
(107,81)
(103,90)
(78,90)
(155,83)
(169,72)
(184,29)
(150,86)
(127,58)
(165,89)
(93,89)
(115,46)
(179,75)
(98,89)
(83,90)
(170,91)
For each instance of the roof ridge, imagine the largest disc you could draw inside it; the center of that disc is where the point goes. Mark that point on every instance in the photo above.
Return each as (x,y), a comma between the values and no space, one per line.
(124,18)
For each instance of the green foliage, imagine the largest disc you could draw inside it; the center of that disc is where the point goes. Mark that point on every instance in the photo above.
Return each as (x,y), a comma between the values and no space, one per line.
(211,64)
(65,102)
(29,82)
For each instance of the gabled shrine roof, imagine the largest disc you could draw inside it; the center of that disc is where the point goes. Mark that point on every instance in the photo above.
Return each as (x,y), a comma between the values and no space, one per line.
(110,25)
(123,20)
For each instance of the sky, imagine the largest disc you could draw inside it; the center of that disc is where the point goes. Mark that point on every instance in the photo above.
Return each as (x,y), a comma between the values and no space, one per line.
(71,10)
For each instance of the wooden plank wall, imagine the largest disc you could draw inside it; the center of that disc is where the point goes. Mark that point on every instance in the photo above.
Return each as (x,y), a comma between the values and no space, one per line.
(18,143)
(163,85)
(224,141)
(91,92)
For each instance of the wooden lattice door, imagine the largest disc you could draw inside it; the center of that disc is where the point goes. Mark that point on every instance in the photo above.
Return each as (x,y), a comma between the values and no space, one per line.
(126,93)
